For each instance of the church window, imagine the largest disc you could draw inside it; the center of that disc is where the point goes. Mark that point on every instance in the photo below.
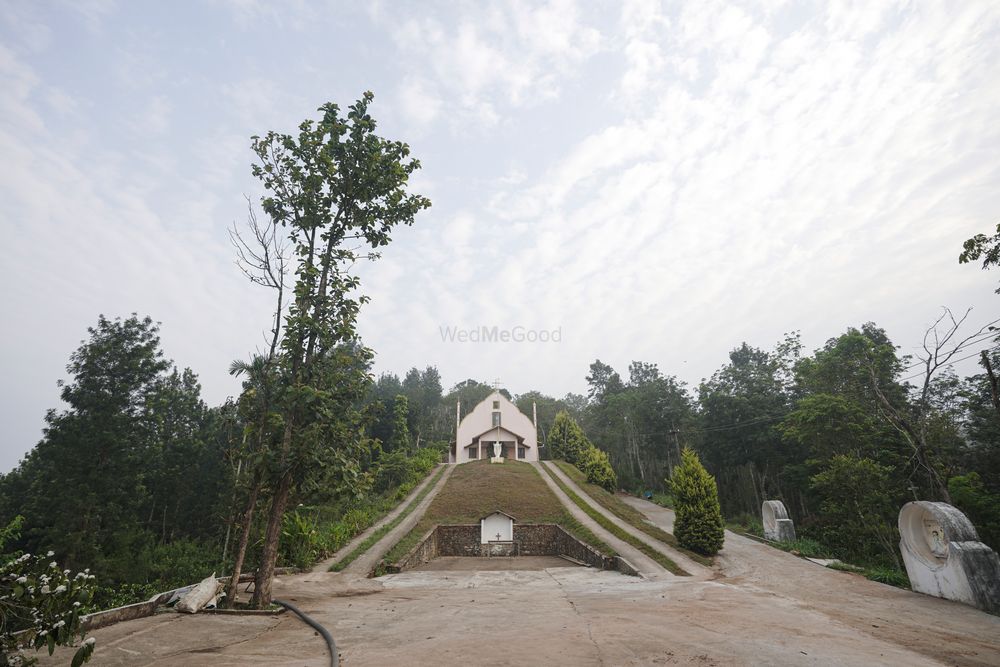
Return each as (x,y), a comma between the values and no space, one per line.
(521,452)
(496,405)
(496,418)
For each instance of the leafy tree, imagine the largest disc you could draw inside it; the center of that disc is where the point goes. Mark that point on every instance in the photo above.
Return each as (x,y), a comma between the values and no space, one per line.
(982,507)
(739,409)
(334,186)
(470,393)
(400,429)
(699,525)
(547,408)
(602,380)
(982,247)
(93,458)
(429,417)
(858,509)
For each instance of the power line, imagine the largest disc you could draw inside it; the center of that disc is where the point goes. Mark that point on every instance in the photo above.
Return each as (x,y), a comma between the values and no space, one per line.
(974,354)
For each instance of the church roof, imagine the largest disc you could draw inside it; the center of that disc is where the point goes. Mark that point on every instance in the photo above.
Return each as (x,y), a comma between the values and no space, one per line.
(509,516)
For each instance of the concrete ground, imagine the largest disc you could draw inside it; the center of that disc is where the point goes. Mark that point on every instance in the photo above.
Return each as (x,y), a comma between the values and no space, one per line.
(760,606)
(463,564)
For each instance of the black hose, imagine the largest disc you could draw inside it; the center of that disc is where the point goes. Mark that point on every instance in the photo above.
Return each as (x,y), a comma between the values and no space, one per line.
(330,644)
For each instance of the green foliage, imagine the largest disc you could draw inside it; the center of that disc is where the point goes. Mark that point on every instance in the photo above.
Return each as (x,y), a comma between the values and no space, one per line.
(597,467)
(300,542)
(8,534)
(982,507)
(381,532)
(663,500)
(41,606)
(566,440)
(699,525)
(750,524)
(857,511)
(400,425)
(887,575)
(340,190)
(982,247)
(805,546)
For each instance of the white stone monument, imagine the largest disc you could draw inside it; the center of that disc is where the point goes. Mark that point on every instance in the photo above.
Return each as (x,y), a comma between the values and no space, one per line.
(944,557)
(777,526)
(496,458)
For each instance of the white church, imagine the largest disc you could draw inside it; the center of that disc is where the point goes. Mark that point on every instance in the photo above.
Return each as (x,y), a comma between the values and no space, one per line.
(495,421)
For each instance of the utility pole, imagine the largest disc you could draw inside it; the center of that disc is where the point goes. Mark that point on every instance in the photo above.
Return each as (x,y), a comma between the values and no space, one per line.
(677,446)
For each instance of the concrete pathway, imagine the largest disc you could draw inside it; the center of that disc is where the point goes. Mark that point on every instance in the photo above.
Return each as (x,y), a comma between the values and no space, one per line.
(685,562)
(646,566)
(367,561)
(770,608)
(324,566)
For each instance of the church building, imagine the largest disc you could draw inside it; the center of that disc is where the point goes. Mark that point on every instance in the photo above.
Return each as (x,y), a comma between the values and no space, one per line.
(495,421)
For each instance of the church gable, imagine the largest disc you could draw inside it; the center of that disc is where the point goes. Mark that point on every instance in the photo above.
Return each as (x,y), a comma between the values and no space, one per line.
(495,423)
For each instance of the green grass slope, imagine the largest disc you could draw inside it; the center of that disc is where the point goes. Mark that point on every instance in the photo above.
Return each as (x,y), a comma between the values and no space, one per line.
(478,488)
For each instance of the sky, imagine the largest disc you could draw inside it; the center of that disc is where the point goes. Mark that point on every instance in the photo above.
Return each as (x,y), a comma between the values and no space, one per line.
(638,181)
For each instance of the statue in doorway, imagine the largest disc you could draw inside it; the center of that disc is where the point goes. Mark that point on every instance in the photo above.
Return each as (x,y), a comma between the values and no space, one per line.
(496,450)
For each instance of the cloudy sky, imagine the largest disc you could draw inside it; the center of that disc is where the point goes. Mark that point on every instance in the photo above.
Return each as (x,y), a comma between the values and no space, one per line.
(657,181)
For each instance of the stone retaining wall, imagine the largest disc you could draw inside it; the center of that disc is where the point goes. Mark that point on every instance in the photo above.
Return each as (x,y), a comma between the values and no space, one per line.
(542,539)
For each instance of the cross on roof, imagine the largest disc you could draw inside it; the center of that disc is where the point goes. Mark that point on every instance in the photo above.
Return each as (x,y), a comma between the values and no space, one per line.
(496,384)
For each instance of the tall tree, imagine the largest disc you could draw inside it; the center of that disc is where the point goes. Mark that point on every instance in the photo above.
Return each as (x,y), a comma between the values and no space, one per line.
(339,189)
(400,425)
(92,462)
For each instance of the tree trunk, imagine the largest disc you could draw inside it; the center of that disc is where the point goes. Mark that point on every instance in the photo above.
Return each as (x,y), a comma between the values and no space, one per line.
(269,554)
(994,383)
(232,590)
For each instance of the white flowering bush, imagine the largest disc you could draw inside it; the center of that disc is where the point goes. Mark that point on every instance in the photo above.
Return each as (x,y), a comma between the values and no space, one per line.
(40,607)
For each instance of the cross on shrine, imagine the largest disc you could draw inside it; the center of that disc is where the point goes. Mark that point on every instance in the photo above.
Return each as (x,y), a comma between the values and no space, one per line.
(498,537)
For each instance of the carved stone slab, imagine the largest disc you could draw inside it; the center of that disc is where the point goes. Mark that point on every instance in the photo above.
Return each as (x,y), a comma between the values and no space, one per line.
(777,526)
(944,557)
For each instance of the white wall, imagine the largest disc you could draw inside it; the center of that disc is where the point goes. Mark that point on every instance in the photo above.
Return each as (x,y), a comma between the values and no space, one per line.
(480,420)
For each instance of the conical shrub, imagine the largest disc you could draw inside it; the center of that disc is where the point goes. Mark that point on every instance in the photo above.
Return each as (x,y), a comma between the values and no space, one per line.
(698,525)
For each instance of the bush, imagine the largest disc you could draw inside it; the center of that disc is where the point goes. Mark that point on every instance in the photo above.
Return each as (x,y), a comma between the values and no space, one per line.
(699,525)
(566,439)
(664,500)
(300,543)
(857,514)
(596,465)
(888,575)
(40,606)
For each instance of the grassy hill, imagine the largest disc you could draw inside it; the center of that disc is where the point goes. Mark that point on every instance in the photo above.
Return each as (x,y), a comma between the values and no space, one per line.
(478,488)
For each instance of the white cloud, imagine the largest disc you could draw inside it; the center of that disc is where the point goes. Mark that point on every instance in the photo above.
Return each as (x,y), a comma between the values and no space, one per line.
(496,56)
(662,184)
